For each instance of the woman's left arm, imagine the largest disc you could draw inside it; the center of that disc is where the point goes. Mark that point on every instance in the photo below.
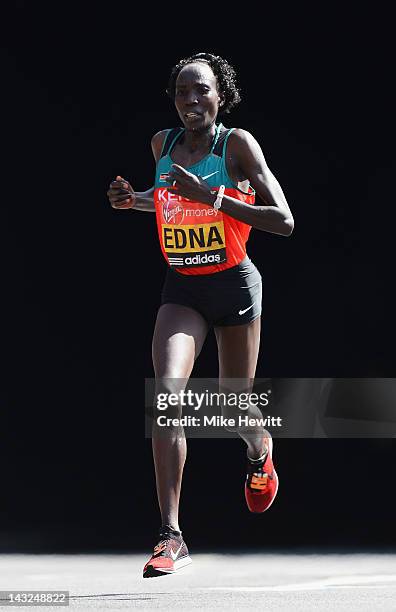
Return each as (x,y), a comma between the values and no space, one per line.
(275,216)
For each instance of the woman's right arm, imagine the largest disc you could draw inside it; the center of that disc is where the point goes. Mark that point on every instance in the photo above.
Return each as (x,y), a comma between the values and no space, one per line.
(122,195)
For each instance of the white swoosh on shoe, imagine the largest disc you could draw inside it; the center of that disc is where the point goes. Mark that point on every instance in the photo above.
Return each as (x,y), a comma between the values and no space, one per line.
(174,554)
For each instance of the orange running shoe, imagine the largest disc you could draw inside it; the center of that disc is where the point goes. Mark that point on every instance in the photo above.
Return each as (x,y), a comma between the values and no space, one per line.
(262,482)
(169,555)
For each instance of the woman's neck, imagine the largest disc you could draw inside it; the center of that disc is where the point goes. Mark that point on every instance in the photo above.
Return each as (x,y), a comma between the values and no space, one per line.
(194,140)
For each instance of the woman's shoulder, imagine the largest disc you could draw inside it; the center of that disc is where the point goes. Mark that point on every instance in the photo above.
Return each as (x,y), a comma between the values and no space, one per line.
(241,136)
(241,146)
(241,142)
(157,142)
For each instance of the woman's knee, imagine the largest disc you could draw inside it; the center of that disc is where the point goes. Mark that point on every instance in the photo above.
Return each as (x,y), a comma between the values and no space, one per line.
(168,396)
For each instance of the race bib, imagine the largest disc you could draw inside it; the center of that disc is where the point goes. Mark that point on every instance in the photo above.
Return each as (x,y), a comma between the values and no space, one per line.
(192,234)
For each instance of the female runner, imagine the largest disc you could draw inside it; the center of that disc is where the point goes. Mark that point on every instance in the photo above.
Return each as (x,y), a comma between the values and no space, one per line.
(206,179)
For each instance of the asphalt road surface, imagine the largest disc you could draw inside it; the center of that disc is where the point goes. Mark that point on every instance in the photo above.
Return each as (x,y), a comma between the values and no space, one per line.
(252,581)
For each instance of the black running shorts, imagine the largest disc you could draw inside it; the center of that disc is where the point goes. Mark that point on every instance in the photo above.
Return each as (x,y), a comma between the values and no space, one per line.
(229,297)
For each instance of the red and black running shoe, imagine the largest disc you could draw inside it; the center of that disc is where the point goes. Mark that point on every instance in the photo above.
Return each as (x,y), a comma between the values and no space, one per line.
(169,555)
(262,482)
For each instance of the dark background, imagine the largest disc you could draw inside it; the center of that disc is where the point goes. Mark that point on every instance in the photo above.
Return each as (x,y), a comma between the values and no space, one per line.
(83,93)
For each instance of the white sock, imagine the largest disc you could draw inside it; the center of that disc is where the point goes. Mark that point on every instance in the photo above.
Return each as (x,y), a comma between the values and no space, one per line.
(260,458)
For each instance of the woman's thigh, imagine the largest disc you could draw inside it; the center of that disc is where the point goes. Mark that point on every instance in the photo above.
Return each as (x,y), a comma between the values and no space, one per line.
(178,338)
(238,349)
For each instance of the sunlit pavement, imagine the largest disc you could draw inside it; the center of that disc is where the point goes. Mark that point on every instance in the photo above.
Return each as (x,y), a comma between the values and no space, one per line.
(361,582)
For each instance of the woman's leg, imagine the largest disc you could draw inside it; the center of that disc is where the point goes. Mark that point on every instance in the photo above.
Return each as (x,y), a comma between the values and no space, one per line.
(238,347)
(178,338)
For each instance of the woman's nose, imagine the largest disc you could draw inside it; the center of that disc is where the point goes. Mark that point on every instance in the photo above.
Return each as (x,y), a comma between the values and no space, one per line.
(191,98)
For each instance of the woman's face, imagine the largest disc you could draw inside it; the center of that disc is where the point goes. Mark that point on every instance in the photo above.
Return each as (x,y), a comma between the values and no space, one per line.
(196,97)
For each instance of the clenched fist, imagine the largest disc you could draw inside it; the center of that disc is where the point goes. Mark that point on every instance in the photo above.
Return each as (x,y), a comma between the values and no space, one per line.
(121,194)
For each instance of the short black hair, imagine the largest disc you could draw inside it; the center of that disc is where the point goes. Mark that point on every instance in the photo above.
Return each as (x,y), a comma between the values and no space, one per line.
(223,71)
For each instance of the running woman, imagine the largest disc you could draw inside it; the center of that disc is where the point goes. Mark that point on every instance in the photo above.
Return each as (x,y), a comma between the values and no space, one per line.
(206,180)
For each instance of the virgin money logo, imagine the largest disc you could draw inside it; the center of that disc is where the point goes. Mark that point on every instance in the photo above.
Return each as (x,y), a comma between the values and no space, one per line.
(173,212)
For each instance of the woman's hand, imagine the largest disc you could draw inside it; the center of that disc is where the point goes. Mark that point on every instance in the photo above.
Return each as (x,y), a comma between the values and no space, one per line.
(121,194)
(189,185)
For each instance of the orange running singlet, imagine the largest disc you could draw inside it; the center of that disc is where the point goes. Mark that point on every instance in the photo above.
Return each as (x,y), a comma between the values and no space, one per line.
(194,237)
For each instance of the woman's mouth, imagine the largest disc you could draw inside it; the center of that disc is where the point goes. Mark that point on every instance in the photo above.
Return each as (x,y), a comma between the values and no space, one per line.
(192,116)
